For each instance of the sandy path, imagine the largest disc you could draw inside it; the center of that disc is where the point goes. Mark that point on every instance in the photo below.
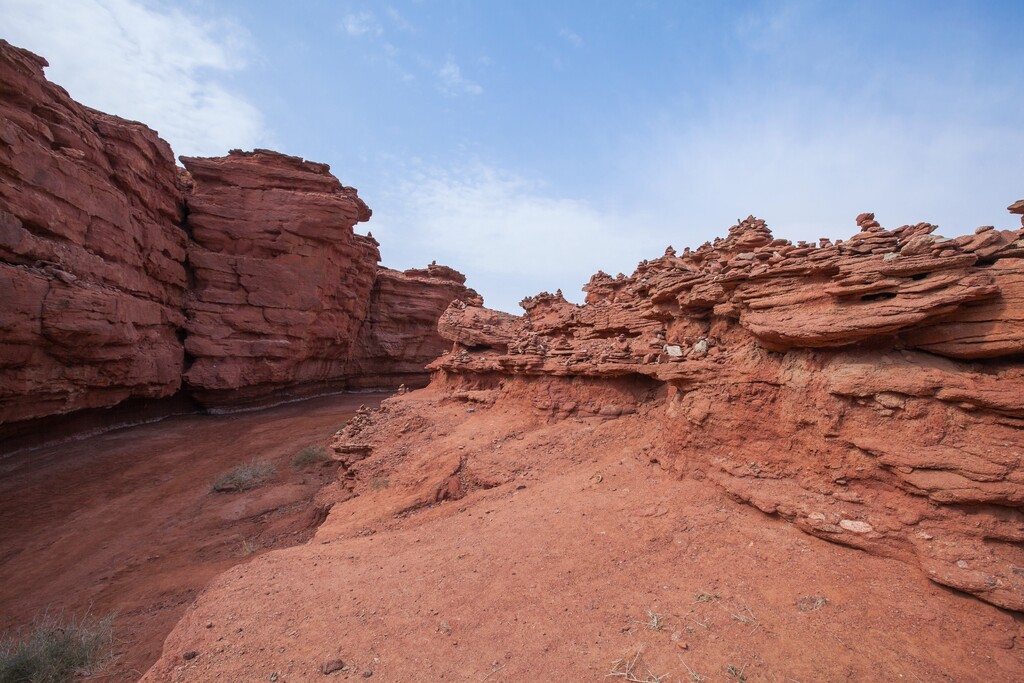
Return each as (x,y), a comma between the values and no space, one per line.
(125,521)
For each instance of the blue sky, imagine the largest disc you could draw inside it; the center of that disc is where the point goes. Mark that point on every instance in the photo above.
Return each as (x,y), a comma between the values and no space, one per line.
(530,144)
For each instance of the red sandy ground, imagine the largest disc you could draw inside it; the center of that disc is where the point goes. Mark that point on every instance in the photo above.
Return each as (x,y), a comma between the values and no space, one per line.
(125,522)
(570,557)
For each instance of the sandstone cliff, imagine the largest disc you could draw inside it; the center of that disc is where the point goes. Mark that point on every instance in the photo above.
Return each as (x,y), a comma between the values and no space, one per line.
(92,272)
(399,336)
(237,282)
(282,283)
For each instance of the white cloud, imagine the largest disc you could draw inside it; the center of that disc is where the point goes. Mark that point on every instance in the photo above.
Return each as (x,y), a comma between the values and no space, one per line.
(808,166)
(128,58)
(571,36)
(510,236)
(453,82)
(361,23)
(399,20)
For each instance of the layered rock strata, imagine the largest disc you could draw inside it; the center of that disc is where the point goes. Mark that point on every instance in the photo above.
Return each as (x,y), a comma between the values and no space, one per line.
(281,281)
(868,390)
(240,280)
(92,252)
(399,335)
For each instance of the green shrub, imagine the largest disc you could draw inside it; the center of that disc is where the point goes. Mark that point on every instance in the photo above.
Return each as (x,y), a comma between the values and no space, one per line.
(245,477)
(310,455)
(54,650)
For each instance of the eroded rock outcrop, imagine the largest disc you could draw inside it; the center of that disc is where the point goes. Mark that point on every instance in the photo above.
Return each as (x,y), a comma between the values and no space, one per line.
(868,390)
(399,336)
(92,274)
(240,281)
(577,465)
(282,283)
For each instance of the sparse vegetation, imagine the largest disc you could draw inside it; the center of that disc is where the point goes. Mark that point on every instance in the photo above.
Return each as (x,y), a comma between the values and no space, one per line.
(629,669)
(54,649)
(737,674)
(655,622)
(811,603)
(694,676)
(244,477)
(310,455)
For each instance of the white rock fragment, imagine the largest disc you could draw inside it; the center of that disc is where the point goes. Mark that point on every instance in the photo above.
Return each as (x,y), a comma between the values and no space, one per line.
(856,526)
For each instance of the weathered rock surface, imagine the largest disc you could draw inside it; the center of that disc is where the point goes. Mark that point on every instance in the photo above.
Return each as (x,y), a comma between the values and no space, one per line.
(282,283)
(123,276)
(399,336)
(92,274)
(869,390)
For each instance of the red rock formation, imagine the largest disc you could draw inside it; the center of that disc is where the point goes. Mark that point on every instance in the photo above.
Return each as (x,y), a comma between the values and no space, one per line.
(101,263)
(576,478)
(282,283)
(870,390)
(399,336)
(92,277)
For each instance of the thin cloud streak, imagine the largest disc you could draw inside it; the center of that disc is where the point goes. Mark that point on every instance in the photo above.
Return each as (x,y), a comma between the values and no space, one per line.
(572,37)
(361,23)
(453,83)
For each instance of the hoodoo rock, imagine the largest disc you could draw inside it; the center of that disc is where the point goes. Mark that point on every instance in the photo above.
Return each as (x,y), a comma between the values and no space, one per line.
(236,282)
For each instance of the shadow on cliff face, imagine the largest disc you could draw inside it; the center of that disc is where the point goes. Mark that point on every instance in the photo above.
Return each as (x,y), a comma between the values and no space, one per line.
(126,522)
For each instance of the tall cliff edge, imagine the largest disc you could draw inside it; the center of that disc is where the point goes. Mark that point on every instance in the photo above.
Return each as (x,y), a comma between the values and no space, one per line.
(237,281)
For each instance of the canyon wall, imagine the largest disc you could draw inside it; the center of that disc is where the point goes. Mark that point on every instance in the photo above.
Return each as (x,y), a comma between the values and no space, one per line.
(869,391)
(282,283)
(92,252)
(236,281)
(399,336)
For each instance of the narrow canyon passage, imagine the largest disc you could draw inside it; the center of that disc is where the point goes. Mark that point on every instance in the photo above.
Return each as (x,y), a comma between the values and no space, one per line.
(126,522)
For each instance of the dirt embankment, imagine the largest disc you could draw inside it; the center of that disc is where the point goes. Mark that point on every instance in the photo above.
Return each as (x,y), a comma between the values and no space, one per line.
(126,522)
(487,542)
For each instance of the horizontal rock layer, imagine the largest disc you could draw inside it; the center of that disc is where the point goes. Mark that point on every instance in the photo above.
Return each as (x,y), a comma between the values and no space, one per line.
(92,274)
(399,335)
(282,283)
(123,276)
(868,390)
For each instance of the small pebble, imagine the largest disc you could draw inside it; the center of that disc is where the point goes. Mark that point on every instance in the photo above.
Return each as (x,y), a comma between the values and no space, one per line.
(332,666)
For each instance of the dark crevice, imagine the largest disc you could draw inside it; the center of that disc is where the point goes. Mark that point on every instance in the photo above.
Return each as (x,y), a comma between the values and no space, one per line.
(879,296)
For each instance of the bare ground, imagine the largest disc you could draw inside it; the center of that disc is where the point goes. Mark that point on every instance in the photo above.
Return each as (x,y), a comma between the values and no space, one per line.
(125,522)
(564,553)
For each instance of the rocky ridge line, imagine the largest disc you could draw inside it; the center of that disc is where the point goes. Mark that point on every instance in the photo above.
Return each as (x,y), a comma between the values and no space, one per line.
(869,390)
